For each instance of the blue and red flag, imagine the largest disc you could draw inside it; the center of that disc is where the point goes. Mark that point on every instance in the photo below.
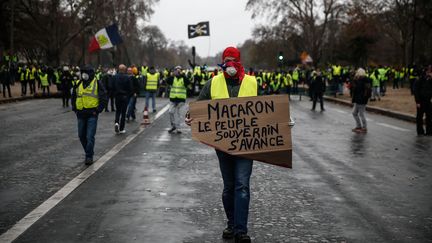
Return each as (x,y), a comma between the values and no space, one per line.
(105,38)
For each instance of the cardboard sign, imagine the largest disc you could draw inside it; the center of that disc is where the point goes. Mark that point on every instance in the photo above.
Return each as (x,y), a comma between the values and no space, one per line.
(253,127)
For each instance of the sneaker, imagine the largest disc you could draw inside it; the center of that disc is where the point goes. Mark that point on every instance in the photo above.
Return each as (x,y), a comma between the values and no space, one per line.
(123,131)
(178,131)
(357,129)
(363,130)
(154,111)
(228,233)
(172,129)
(117,128)
(242,238)
(88,161)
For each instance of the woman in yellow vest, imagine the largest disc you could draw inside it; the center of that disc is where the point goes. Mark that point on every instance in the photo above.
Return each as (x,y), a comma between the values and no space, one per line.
(236,171)
(88,100)
(177,94)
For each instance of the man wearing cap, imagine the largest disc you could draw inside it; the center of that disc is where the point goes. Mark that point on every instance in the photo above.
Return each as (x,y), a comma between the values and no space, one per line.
(178,84)
(235,170)
(88,100)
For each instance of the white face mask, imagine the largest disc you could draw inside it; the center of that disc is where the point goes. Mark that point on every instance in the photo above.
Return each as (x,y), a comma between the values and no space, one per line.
(85,76)
(231,71)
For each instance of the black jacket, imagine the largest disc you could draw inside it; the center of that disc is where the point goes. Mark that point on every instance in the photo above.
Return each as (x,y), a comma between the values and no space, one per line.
(122,85)
(103,100)
(361,90)
(423,89)
(317,85)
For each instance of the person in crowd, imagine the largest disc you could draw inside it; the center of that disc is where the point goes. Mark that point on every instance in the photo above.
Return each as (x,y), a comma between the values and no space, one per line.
(6,82)
(317,88)
(236,171)
(361,92)
(151,81)
(66,86)
(131,108)
(45,85)
(178,84)
(88,100)
(23,78)
(123,89)
(32,79)
(423,96)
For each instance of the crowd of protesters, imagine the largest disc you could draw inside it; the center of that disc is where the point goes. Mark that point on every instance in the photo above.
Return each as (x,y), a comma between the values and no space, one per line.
(304,80)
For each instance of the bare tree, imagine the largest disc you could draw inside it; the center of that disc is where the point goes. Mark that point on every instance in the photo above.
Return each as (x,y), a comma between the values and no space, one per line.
(308,19)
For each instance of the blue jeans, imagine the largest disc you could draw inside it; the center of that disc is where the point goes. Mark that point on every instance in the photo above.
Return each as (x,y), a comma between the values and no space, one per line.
(131,107)
(236,173)
(147,97)
(86,132)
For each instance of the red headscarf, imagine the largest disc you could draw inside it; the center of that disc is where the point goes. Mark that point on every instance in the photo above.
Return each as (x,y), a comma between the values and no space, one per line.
(234,53)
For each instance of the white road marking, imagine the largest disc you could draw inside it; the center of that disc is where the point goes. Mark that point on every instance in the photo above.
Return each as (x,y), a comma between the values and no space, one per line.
(31,218)
(393,127)
(340,111)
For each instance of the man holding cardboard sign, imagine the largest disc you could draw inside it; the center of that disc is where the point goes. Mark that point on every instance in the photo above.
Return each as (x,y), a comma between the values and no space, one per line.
(237,128)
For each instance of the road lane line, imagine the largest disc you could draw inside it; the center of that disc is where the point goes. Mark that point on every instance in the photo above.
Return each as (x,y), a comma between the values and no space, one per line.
(340,111)
(393,127)
(25,223)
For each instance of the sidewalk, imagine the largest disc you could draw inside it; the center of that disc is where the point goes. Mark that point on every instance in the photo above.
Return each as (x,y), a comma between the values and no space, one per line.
(16,93)
(397,103)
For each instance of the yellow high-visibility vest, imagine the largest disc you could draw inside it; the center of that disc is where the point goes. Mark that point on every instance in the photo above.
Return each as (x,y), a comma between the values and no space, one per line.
(219,89)
(152,81)
(44,79)
(178,90)
(88,97)
(337,70)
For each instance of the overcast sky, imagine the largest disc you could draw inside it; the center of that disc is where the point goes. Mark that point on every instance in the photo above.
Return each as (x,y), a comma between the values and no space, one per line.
(230,24)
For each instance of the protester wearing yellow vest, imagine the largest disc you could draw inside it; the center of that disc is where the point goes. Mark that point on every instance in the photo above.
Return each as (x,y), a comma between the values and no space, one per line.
(45,85)
(23,77)
(236,171)
(32,79)
(88,100)
(151,87)
(178,93)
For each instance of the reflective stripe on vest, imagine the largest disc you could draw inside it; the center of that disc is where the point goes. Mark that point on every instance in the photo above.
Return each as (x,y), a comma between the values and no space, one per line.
(178,89)
(152,81)
(219,89)
(44,79)
(88,97)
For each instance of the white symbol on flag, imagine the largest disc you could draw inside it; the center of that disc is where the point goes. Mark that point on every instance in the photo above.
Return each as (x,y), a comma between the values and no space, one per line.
(199,30)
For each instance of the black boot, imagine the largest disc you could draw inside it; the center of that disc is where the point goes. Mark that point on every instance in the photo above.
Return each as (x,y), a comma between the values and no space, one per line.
(228,233)
(242,238)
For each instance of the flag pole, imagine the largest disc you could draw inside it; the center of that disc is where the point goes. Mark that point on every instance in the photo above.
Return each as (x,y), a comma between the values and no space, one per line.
(209,46)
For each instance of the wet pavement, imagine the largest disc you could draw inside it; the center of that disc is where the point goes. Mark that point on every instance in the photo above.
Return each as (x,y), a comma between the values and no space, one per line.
(344,187)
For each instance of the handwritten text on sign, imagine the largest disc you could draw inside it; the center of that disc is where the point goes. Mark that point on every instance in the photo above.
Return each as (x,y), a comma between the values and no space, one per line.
(238,123)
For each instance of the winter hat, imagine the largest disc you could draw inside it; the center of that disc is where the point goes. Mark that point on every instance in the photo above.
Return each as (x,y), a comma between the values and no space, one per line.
(231,52)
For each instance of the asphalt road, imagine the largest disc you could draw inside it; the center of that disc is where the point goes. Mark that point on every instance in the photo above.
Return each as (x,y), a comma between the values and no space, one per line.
(344,187)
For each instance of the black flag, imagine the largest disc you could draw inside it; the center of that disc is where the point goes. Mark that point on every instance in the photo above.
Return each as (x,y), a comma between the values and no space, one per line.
(200,29)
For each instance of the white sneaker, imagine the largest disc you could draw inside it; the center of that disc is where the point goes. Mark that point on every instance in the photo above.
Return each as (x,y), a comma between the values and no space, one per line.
(123,131)
(116,128)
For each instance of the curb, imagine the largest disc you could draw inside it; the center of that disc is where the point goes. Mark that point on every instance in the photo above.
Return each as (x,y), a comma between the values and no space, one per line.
(22,98)
(385,112)
(12,100)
